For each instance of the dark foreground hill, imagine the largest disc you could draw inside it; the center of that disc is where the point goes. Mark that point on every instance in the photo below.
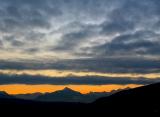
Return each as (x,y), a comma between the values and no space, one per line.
(139,101)
(143,100)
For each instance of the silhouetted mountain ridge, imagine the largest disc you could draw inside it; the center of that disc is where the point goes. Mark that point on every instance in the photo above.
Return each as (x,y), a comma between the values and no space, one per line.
(69,95)
(66,95)
(139,101)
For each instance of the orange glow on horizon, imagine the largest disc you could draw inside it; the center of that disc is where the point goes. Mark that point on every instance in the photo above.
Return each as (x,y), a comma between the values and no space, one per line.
(25,89)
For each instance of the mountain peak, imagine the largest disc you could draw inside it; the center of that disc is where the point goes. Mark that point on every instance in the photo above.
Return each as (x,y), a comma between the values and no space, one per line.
(67,89)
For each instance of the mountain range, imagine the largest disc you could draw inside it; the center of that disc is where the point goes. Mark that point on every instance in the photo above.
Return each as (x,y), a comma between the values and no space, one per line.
(64,95)
(142,101)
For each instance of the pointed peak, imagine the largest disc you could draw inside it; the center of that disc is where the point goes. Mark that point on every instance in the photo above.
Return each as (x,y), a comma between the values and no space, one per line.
(67,89)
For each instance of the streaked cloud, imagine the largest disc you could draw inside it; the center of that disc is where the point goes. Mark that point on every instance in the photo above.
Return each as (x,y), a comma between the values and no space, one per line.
(73,77)
(108,65)
(67,73)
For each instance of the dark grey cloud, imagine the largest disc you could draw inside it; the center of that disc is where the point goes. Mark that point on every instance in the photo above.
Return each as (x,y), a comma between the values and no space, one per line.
(117,27)
(118,23)
(17,43)
(32,50)
(13,41)
(1,44)
(26,79)
(138,43)
(109,65)
(21,20)
(24,15)
(128,16)
(71,40)
(129,19)
(34,36)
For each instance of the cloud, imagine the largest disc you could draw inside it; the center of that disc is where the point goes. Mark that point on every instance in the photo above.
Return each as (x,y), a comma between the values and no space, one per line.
(132,30)
(1,44)
(22,21)
(118,23)
(109,65)
(79,29)
(138,43)
(24,15)
(72,40)
(27,79)
(95,35)
(13,41)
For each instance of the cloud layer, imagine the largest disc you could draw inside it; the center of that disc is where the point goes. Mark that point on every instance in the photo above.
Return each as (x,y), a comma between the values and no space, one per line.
(109,36)
(86,80)
(79,28)
(106,65)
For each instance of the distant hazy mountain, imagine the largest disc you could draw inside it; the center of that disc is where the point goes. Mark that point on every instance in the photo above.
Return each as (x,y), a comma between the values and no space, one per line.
(31,96)
(65,95)
(69,95)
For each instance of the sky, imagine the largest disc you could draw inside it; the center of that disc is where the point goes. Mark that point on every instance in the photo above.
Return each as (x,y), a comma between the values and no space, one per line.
(81,44)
